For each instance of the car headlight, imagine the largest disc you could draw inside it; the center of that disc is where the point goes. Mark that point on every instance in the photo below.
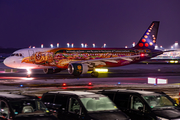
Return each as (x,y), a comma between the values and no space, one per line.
(160,118)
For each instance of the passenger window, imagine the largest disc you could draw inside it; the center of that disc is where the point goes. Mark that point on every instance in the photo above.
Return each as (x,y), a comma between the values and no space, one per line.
(110,95)
(74,106)
(121,100)
(62,100)
(4,110)
(136,103)
(48,98)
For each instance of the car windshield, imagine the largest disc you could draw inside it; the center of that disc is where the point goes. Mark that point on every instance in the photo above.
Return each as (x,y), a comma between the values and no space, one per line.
(159,101)
(98,104)
(25,107)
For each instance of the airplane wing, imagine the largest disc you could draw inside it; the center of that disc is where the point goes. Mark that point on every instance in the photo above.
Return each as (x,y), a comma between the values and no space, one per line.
(112,59)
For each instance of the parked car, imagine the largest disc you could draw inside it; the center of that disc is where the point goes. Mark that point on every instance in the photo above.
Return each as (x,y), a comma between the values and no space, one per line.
(77,105)
(144,105)
(23,107)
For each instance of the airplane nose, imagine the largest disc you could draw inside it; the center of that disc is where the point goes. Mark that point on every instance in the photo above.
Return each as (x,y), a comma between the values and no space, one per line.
(7,62)
(11,62)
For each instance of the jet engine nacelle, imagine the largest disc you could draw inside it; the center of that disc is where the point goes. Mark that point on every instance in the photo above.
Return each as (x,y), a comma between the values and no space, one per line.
(77,69)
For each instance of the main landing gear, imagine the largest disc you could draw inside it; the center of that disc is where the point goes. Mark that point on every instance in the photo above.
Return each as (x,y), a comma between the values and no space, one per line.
(94,74)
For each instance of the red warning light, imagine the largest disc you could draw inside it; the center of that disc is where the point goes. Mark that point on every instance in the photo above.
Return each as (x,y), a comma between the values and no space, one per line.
(142,55)
(143,40)
(140,44)
(89,83)
(146,44)
(64,84)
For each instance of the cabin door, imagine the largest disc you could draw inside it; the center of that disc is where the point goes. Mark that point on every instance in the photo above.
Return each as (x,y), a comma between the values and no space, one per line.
(31,55)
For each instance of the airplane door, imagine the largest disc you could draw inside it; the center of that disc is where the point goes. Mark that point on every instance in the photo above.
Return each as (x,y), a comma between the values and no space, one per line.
(31,53)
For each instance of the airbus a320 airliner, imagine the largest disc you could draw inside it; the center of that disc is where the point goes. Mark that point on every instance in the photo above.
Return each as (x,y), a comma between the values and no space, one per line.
(82,60)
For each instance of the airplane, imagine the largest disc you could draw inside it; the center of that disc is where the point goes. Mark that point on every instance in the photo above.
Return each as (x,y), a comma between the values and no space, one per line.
(81,60)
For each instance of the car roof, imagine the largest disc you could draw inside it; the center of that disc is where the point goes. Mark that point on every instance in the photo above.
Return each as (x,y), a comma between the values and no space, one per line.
(142,92)
(76,93)
(15,96)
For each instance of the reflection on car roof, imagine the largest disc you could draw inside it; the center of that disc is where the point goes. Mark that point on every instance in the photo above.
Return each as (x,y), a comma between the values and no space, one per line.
(73,92)
(14,96)
(134,91)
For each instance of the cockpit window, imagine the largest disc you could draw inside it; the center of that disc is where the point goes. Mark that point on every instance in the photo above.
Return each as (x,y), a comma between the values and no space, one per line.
(16,54)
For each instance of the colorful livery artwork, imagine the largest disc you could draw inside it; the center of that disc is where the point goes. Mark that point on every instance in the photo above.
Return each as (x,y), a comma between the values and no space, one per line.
(80,60)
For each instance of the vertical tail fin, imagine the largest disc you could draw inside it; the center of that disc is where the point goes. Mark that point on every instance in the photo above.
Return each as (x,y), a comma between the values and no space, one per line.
(148,40)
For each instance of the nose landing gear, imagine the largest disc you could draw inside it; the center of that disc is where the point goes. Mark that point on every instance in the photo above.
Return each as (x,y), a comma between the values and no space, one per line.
(28,73)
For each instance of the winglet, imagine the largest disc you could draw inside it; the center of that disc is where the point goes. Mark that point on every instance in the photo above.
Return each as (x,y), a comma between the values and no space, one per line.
(148,40)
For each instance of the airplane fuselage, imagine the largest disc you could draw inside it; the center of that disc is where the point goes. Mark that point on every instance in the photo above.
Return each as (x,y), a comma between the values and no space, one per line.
(40,58)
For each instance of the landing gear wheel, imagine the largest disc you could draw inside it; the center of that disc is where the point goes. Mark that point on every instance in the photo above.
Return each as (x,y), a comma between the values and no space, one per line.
(94,74)
(48,71)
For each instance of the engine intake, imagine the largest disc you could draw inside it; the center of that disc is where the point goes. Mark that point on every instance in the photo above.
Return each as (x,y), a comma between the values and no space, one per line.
(77,69)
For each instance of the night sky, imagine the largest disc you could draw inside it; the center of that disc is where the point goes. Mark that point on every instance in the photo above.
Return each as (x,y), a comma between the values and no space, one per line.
(117,23)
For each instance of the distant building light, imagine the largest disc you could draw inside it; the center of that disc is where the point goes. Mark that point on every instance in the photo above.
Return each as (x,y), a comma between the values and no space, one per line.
(126,47)
(151,80)
(85,45)
(51,45)
(57,45)
(161,46)
(172,47)
(34,47)
(67,44)
(156,47)
(29,46)
(162,81)
(133,44)
(41,45)
(82,45)
(104,45)
(94,45)
(176,43)
(72,45)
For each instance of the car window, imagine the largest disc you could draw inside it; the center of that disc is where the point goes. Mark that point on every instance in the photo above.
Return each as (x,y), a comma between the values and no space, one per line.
(4,110)
(22,107)
(98,104)
(61,100)
(74,105)
(136,103)
(157,101)
(48,98)
(110,95)
(121,100)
